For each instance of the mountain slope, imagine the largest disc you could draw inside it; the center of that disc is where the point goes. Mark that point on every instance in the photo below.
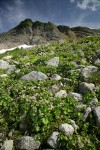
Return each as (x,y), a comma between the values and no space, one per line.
(29,32)
(51,93)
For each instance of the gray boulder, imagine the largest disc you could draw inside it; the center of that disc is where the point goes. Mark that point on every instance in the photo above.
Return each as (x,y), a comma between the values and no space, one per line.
(53,62)
(75,126)
(11,68)
(98,53)
(26,143)
(80,107)
(4,64)
(87,113)
(88,71)
(34,75)
(53,140)
(54,88)
(8,145)
(76,96)
(55,77)
(86,87)
(97,62)
(96,112)
(66,129)
(93,101)
(61,93)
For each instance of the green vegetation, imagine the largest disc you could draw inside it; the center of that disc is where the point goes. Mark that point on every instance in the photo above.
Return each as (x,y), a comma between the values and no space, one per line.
(42,110)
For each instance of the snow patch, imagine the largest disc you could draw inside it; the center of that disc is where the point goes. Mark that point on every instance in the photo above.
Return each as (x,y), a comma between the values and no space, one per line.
(24,46)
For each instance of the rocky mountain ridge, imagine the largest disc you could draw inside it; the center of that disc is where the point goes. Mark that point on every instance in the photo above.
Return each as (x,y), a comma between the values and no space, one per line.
(29,32)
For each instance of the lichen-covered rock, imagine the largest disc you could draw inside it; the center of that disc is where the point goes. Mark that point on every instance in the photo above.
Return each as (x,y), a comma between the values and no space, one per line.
(26,143)
(53,140)
(66,129)
(53,62)
(34,75)
(86,87)
(76,96)
(8,145)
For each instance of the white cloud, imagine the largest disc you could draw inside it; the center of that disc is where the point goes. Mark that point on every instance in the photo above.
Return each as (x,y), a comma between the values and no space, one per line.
(90,4)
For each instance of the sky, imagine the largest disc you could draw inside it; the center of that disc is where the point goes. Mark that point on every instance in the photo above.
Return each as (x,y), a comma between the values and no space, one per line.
(60,12)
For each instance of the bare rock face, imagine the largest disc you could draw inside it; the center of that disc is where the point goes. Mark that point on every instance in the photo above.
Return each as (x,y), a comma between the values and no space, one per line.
(34,75)
(26,143)
(86,87)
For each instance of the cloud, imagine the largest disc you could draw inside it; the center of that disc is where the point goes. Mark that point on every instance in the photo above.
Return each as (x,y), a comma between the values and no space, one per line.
(11,13)
(88,4)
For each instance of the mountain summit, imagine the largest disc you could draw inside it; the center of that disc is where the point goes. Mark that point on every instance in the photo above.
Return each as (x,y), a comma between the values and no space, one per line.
(29,32)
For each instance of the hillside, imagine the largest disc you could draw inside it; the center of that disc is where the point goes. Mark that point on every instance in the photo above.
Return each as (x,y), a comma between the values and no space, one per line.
(29,32)
(50,96)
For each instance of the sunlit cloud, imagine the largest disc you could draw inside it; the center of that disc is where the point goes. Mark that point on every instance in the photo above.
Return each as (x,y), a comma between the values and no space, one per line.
(88,4)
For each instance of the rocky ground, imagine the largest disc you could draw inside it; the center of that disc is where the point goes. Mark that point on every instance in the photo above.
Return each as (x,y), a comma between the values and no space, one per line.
(49,97)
